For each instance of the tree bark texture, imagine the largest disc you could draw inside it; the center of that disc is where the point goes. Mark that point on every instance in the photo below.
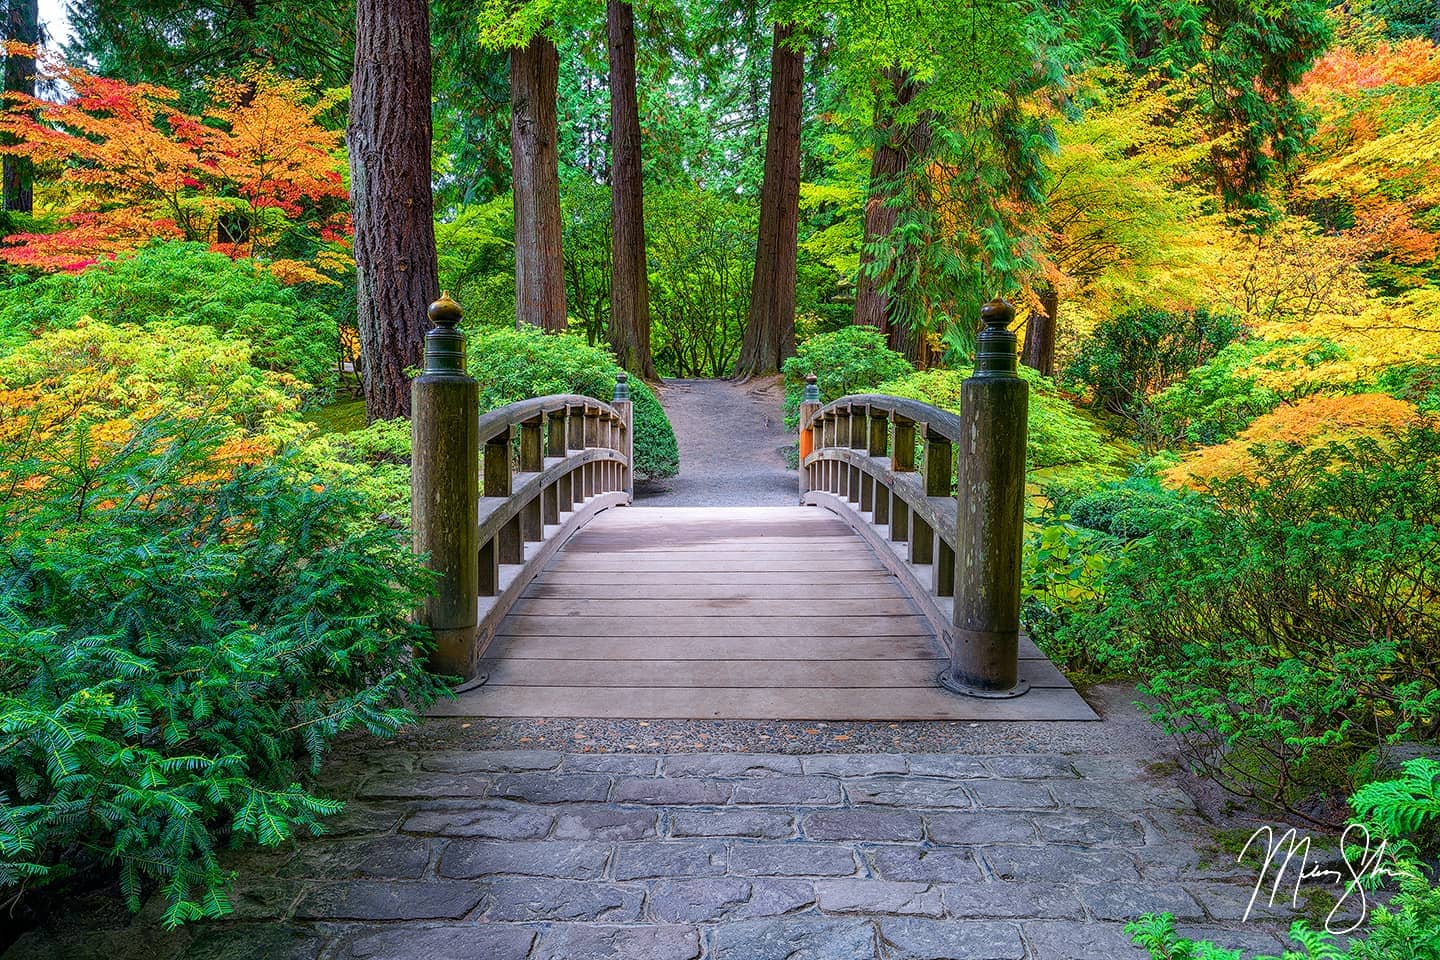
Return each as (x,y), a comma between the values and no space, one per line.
(22,25)
(770,327)
(629,283)
(534,140)
(1039,349)
(392,207)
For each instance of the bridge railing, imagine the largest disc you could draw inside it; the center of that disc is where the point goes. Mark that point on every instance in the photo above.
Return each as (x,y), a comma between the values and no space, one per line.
(493,496)
(948,523)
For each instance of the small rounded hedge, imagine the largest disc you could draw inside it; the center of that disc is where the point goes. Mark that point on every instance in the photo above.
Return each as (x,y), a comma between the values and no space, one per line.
(182,283)
(512,365)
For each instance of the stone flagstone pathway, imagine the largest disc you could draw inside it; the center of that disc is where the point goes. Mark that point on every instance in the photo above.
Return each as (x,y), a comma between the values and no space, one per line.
(536,855)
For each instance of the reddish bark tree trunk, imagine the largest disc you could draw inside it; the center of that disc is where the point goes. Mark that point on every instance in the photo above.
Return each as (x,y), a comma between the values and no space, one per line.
(389,141)
(1039,350)
(629,280)
(22,26)
(897,146)
(534,136)
(770,328)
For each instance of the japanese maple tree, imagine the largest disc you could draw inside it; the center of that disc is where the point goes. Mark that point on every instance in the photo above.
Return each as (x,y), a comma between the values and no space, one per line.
(255,175)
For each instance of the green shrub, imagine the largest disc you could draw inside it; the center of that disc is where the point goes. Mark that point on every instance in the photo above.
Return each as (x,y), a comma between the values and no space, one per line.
(372,462)
(1059,435)
(1405,928)
(851,360)
(181,637)
(103,372)
(513,365)
(1218,399)
(183,283)
(1134,355)
(1287,625)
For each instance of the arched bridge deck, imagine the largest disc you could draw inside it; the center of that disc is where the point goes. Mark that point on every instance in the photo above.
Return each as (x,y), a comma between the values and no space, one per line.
(891,592)
(734,613)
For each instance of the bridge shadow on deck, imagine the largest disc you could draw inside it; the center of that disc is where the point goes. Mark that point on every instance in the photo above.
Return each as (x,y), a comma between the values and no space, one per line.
(730,613)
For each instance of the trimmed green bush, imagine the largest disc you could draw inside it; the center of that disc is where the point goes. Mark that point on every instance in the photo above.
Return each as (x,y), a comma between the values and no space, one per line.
(183,283)
(513,365)
(181,637)
(852,360)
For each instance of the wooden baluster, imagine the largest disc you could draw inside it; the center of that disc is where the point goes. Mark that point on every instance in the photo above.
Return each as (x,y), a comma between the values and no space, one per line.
(922,541)
(994,406)
(902,457)
(444,441)
(944,568)
(899,520)
(591,483)
(939,463)
(575,438)
(859,428)
(555,433)
(499,482)
(532,460)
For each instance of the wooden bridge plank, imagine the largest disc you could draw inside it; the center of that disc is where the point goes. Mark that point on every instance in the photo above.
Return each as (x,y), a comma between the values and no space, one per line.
(529,625)
(711,648)
(656,589)
(726,606)
(805,703)
(748,674)
(800,577)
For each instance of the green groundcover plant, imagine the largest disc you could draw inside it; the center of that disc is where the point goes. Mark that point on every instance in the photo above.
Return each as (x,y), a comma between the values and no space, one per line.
(184,629)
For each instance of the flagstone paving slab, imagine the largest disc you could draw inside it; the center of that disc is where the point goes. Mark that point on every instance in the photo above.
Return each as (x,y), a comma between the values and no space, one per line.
(536,854)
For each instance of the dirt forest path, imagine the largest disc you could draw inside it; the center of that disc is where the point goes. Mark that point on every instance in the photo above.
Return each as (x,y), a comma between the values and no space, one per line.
(732,440)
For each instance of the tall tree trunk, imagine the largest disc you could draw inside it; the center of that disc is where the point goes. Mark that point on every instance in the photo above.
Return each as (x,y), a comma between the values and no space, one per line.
(629,280)
(389,141)
(887,163)
(1039,351)
(897,147)
(534,136)
(770,326)
(22,26)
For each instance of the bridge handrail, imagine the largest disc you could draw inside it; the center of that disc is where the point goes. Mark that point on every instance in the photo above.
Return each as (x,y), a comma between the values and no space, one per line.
(956,545)
(489,511)
(861,455)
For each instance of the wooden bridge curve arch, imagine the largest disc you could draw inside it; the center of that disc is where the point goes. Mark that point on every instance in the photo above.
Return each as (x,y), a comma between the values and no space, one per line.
(884,594)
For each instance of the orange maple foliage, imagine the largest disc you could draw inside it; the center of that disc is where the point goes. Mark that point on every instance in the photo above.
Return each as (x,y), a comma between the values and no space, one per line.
(1309,422)
(256,175)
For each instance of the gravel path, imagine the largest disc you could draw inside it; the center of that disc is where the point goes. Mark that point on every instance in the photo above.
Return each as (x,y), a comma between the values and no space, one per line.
(732,439)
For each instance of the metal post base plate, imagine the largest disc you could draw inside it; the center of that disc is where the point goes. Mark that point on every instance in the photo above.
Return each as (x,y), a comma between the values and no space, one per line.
(946,680)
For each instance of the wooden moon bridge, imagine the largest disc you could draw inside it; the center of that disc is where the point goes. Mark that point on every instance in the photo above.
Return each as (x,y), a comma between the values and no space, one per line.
(890,591)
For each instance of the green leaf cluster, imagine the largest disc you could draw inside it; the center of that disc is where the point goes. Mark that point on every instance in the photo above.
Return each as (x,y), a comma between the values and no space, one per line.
(182,636)
(169,282)
(512,365)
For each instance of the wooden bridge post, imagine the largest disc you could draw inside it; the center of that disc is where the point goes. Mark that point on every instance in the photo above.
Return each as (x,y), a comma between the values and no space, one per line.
(444,488)
(994,406)
(809,403)
(626,408)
